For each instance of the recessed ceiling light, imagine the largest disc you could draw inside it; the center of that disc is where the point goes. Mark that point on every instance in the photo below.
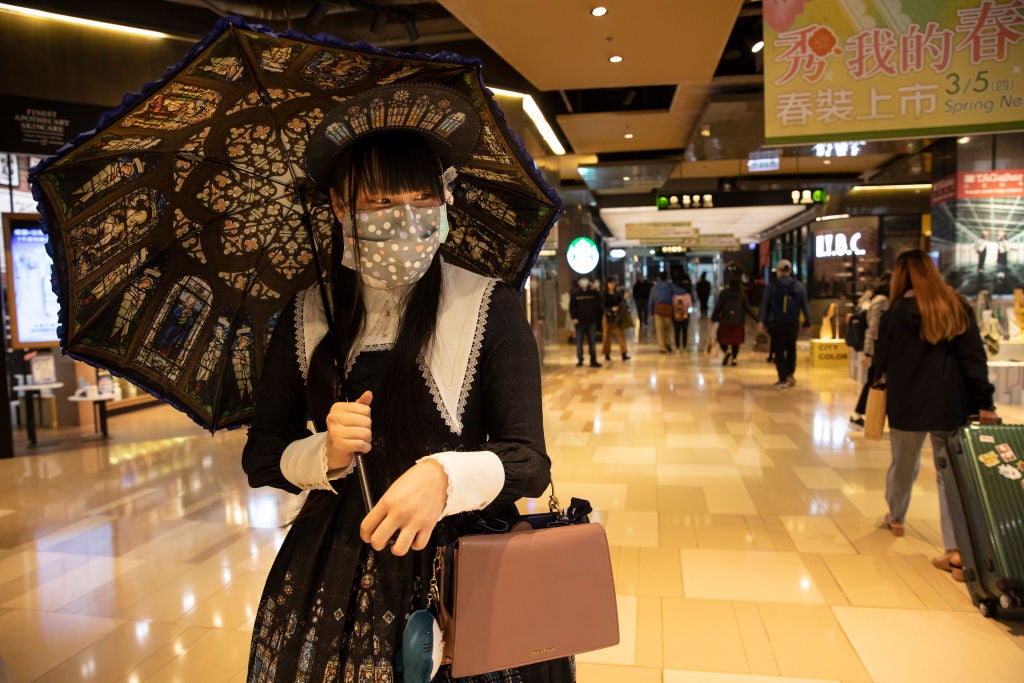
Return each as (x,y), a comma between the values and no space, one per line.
(826,161)
(705,130)
(964,140)
(628,136)
(599,11)
(757,47)
(615,59)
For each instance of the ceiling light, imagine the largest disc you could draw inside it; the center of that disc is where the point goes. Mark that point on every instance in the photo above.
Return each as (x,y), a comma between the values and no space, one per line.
(537,116)
(705,130)
(964,140)
(757,47)
(626,178)
(826,161)
(615,59)
(911,186)
(82,22)
(628,136)
(599,11)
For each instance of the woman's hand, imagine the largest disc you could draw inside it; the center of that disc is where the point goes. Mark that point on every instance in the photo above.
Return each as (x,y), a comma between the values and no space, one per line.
(348,431)
(411,506)
(988,417)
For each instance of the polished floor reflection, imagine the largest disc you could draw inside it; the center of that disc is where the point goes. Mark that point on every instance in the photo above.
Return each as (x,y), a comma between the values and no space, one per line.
(744,524)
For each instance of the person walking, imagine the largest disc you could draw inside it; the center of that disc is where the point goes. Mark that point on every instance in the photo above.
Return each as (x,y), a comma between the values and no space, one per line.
(641,295)
(730,313)
(931,354)
(661,305)
(586,309)
(703,294)
(373,382)
(876,306)
(681,305)
(614,307)
(784,299)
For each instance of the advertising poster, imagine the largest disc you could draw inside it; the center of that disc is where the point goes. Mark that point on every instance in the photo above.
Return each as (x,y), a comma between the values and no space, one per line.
(978,220)
(874,69)
(33,305)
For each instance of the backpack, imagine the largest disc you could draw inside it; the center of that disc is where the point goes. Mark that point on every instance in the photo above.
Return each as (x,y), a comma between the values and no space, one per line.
(680,307)
(784,302)
(856,330)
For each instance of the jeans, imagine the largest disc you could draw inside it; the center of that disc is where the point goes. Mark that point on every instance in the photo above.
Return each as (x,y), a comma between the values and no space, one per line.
(906,463)
(589,329)
(784,334)
(682,331)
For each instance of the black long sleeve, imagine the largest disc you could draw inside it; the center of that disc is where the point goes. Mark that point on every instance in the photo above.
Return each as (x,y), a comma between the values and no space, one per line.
(281,413)
(512,407)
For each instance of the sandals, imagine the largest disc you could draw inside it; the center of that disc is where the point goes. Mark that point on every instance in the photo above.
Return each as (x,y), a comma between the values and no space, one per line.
(951,562)
(896,528)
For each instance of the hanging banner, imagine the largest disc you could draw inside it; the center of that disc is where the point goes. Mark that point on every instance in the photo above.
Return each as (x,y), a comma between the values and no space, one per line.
(854,70)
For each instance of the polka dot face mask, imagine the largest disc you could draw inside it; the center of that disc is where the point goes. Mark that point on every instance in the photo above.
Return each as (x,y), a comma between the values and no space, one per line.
(396,244)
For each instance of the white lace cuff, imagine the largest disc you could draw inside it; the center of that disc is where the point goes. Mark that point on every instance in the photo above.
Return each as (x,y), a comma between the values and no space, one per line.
(304,463)
(475,478)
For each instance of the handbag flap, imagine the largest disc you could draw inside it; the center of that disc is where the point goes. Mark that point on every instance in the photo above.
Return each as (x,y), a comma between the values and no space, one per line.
(531,596)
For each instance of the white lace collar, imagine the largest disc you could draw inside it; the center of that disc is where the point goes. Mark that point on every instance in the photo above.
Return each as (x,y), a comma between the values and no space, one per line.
(449,365)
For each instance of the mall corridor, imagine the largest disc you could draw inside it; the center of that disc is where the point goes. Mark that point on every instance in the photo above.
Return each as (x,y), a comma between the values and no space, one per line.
(744,524)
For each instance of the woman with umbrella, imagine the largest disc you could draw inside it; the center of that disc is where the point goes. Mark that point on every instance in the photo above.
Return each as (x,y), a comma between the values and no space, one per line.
(428,369)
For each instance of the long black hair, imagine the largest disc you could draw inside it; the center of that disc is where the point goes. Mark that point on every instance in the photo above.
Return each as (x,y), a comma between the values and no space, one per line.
(385,163)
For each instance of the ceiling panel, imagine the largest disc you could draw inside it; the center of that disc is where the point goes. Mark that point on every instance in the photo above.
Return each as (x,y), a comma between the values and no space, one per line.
(558,45)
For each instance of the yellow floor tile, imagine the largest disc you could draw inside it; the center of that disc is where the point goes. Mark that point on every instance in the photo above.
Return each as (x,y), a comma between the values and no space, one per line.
(905,645)
(815,534)
(702,635)
(808,642)
(869,581)
(623,654)
(632,528)
(738,575)
(33,642)
(709,677)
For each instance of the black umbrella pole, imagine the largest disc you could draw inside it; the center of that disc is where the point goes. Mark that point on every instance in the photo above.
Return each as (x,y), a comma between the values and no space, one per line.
(364,483)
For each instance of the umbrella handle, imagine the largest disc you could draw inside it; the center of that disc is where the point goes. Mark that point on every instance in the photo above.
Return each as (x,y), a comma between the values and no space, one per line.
(364,483)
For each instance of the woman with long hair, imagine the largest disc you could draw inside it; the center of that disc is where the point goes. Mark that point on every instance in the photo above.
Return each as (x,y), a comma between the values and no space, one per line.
(930,352)
(427,369)
(730,313)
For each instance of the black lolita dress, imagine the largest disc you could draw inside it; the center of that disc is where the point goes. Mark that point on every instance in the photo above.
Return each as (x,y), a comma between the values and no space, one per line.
(333,609)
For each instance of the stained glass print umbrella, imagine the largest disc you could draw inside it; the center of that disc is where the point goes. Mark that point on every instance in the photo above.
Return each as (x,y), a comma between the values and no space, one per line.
(181,226)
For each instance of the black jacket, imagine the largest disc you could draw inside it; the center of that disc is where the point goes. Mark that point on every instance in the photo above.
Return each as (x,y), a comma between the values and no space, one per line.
(731,306)
(930,387)
(586,306)
(613,303)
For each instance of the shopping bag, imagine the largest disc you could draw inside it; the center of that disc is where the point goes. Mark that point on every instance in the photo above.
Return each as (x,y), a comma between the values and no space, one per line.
(874,418)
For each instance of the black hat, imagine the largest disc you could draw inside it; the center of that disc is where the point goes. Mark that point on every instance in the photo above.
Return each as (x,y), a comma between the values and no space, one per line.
(445,118)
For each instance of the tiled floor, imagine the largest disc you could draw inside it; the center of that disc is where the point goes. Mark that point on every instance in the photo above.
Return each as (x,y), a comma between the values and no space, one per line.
(743,522)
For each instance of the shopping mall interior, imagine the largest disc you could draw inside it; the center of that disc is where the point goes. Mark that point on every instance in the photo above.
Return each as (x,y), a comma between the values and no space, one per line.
(745,521)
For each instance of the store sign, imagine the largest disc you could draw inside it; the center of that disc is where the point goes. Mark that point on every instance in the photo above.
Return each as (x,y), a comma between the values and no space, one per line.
(980,185)
(915,68)
(34,126)
(582,255)
(827,150)
(828,245)
(760,162)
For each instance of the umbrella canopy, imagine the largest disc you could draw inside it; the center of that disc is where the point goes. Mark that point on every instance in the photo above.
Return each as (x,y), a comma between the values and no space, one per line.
(182,225)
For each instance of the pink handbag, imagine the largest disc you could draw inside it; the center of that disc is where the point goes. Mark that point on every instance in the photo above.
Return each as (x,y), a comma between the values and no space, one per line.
(526,596)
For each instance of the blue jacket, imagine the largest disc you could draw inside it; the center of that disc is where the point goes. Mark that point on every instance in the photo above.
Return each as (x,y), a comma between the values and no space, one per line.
(663,292)
(798,292)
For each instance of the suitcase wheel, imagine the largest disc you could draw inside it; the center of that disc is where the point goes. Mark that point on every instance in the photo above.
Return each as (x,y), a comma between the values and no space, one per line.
(1009,600)
(987,609)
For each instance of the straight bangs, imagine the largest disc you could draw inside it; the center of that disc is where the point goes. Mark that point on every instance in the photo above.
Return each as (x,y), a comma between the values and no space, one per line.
(388,163)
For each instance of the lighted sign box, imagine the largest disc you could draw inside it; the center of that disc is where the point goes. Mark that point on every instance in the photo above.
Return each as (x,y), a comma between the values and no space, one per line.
(843,254)
(31,303)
